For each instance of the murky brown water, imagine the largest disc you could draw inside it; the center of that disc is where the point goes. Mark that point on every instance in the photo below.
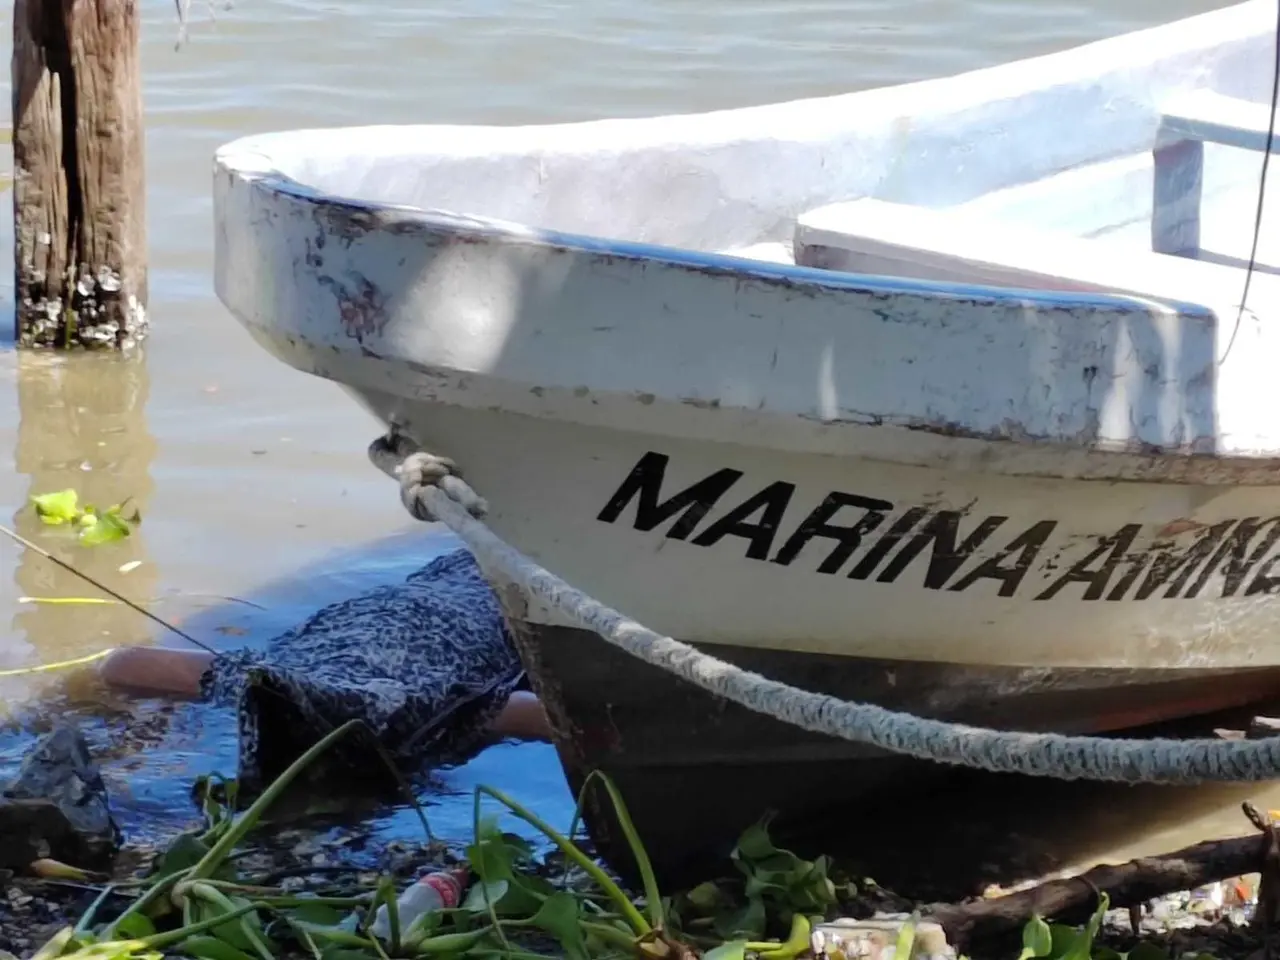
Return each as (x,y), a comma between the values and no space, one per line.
(252,478)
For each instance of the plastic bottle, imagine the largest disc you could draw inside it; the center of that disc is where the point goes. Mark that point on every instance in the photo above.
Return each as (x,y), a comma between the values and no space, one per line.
(438,890)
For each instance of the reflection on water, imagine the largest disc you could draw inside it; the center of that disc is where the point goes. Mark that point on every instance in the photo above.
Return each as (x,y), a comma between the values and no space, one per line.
(252,478)
(88,434)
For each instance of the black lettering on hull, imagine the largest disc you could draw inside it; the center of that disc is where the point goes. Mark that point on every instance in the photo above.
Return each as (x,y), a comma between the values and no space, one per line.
(879,541)
(1107,555)
(771,503)
(644,484)
(817,525)
(948,556)
(1011,564)
(1165,564)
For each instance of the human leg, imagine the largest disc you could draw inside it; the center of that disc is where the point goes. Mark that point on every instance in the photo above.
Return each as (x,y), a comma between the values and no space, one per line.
(157,670)
(522,718)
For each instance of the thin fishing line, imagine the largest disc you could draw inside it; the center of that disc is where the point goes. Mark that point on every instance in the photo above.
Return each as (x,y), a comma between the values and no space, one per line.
(51,667)
(72,600)
(104,588)
(1262,186)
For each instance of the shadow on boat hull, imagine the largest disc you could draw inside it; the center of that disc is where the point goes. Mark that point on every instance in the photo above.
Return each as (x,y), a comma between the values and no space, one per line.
(696,770)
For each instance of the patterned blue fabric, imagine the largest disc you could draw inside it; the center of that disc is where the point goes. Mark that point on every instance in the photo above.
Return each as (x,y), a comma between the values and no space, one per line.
(426,664)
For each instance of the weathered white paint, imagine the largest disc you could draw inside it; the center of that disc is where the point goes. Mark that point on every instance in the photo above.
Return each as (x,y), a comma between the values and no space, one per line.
(541,338)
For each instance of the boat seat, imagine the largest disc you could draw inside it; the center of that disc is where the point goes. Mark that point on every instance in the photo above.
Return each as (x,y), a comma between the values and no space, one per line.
(1186,125)
(769,252)
(878,237)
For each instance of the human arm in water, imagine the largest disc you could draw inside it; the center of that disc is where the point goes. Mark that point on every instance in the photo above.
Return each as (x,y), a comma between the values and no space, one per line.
(164,672)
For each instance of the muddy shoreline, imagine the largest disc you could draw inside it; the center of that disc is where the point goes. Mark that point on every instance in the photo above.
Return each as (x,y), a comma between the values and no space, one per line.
(295,850)
(344,861)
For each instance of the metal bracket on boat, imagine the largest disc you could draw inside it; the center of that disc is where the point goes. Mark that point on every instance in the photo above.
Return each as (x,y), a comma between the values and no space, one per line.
(431,489)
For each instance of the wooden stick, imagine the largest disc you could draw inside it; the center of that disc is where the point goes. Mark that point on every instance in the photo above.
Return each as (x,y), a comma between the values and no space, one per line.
(78,164)
(1125,884)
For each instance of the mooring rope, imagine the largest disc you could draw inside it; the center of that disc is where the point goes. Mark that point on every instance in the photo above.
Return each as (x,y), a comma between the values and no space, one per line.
(432,489)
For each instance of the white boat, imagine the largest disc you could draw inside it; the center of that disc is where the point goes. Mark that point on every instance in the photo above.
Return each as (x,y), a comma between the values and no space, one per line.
(931,395)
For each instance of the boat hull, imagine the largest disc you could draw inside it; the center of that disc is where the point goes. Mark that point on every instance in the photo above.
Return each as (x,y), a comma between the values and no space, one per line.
(768,549)
(1075,606)
(1027,508)
(696,770)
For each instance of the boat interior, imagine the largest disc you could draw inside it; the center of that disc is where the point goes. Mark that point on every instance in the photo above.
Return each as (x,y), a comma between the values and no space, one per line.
(1175,222)
(1034,174)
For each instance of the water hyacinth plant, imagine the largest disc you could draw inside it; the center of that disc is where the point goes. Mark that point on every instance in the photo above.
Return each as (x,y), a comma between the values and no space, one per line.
(93,526)
(196,904)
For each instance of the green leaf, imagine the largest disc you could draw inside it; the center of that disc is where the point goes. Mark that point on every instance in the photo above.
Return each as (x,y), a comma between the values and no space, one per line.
(746,923)
(1082,947)
(493,859)
(57,508)
(705,896)
(240,932)
(784,881)
(1063,939)
(521,849)
(906,941)
(205,947)
(108,528)
(131,517)
(333,935)
(652,894)
(559,917)
(135,926)
(427,925)
(733,950)
(1037,939)
(386,896)
(57,945)
(229,932)
(185,851)
(318,914)
(482,894)
(754,844)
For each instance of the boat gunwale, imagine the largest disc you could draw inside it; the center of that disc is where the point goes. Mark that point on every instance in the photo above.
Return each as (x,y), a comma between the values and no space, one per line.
(1111,461)
(400,218)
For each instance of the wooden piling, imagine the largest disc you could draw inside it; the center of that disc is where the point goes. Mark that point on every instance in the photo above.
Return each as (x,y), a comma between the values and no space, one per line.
(80,240)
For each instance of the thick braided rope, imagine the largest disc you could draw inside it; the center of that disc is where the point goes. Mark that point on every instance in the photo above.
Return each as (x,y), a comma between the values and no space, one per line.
(430,492)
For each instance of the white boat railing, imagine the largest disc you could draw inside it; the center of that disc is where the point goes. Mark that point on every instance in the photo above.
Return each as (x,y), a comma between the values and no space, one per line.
(1186,125)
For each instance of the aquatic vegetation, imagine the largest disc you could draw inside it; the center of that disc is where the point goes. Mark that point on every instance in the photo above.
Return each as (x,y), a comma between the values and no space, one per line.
(93,526)
(195,903)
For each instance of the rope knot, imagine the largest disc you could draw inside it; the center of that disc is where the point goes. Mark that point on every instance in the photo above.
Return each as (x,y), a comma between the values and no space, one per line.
(423,476)
(417,473)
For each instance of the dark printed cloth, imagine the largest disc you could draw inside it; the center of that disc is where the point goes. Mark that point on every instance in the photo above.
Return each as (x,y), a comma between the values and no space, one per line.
(426,664)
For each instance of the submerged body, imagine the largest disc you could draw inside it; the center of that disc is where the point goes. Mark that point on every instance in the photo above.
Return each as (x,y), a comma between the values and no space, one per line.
(426,664)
